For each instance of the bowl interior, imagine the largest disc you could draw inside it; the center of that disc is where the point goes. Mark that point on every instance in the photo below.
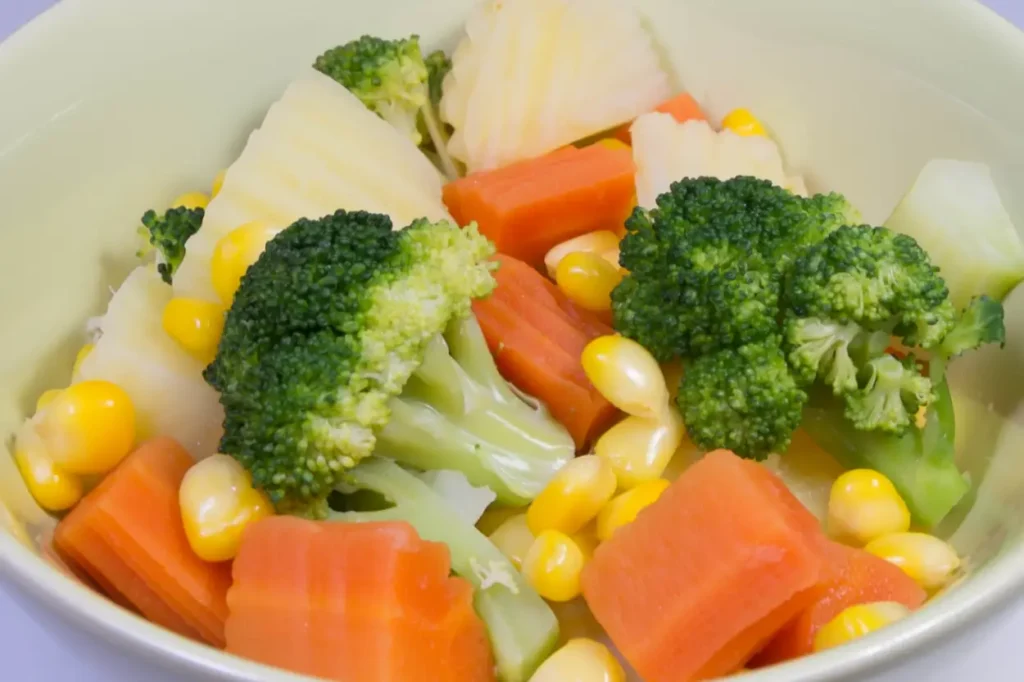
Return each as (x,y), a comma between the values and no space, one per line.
(112,106)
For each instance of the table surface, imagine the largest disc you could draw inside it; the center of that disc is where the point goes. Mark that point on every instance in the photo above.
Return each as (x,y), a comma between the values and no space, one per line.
(34,647)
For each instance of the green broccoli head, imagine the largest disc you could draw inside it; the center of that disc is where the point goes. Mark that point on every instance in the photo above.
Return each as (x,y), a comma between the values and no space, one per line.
(168,233)
(979,324)
(438,66)
(871,276)
(742,399)
(705,265)
(389,76)
(327,326)
(891,393)
(822,349)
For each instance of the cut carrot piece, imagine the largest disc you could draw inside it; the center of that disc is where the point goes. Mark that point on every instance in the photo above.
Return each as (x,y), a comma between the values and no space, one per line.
(707,574)
(851,576)
(682,107)
(364,601)
(531,206)
(126,535)
(537,336)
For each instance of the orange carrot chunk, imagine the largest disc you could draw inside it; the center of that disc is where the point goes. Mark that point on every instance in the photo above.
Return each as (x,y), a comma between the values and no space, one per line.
(707,574)
(682,107)
(126,534)
(851,576)
(537,337)
(531,206)
(365,601)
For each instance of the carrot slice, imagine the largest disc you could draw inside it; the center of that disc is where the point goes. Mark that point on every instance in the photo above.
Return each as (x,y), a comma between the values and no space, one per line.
(537,337)
(530,206)
(707,574)
(682,107)
(126,534)
(367,601)
(851,576)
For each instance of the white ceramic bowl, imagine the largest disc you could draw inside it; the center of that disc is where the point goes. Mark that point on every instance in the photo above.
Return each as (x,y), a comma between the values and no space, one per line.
(110,106)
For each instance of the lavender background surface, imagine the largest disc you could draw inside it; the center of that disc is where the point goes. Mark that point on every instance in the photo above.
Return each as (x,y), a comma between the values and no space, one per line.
(36,647)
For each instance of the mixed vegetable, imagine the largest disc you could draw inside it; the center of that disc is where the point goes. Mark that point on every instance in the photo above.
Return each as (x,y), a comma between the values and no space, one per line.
(492,365)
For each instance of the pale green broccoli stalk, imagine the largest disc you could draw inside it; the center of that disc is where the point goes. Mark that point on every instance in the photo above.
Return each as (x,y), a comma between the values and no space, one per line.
(892,393)
(167,234)
(920,463)
(522,628)
(458,412)
(393,80)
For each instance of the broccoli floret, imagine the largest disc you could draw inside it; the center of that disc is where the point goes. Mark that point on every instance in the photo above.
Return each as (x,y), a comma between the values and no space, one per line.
(392,78)
(168,233)
(980,323)
(743,399)
(822,349)
(891,393)
(522,628)
(326,330)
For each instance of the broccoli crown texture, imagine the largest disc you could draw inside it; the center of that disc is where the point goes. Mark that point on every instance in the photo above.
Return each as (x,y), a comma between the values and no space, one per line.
(326,327)
(822,349)
(892,393)
(389,76)
(742,399)
(168,233)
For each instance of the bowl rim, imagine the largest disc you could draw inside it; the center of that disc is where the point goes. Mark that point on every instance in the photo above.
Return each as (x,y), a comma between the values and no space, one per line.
(991,590)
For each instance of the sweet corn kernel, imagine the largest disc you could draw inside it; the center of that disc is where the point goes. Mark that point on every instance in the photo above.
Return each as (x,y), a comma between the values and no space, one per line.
(46,398)
(613,143)
(89,427)
(513,538)
(218,182)
(233,255)
(742,122)
(588,279)
(191,200)
(217,502)
(623,508)
(864,505)
(640,449)
(80,357)
(627,376)
(496,515)
(602,242)
(553,565)
(925,558)
(53,488)
(580,660)
(196,325)
(573,497)
(857,621)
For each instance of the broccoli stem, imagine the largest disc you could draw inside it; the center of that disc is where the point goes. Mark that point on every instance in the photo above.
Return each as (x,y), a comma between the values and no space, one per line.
(920,463)
(522,628)
(458,413)
(440,140)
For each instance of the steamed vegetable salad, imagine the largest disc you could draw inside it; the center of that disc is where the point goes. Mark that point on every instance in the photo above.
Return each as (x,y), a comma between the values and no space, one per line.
(438,358)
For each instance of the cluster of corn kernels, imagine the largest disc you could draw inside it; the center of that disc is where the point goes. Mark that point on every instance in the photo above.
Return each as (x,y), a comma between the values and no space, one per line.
(865,510)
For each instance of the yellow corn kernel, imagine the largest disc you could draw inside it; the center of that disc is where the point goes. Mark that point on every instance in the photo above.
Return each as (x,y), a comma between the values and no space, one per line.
(513,538)
(496,515)
(217,502)
(218,182)
(573,497)
(588,279)
(640,449)
(46,398)
(580,660)
(742,122)
(925,558)
(233,255)
(553,565)
(601,242)
(864,505)
(196,325)
(53,488)
(623,508)
(627,376)
(613,143)
(191,200)
(89,427)
(857,621)
(80,357)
